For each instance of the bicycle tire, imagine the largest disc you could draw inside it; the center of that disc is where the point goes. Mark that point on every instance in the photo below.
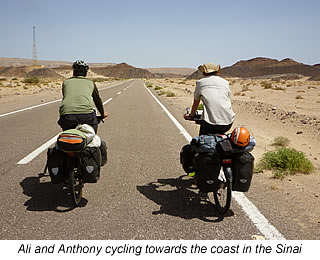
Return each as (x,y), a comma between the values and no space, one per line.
(76,186)
(222,197)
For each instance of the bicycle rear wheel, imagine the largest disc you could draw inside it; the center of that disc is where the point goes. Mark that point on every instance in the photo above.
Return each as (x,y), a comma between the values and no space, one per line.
(222,196)
(76,186)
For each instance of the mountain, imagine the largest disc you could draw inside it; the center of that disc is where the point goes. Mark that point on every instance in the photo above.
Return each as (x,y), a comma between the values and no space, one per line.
(28,72)
(259,67)
(167,72)
(262,67)
(17,62)
(122,70)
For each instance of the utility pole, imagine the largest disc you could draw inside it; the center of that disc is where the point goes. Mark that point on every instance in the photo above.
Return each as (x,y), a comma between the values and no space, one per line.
(34,53)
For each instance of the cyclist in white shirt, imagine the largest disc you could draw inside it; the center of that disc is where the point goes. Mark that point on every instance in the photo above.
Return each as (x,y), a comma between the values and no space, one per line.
(215,94)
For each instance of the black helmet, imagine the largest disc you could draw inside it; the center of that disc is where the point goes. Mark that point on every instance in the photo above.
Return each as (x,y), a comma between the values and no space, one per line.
(80,65)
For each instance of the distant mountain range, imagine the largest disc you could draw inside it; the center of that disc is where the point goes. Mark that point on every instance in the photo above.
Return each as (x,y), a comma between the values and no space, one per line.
(254,68)
(122,70)
(265,67)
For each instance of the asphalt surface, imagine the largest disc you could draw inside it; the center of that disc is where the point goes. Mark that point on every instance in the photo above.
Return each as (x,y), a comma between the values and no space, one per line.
(143,192)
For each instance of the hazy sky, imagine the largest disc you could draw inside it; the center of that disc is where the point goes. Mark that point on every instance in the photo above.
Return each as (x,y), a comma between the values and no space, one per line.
(162,33)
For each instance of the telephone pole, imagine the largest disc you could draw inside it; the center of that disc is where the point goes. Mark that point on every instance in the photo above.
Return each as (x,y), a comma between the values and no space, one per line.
(34,53)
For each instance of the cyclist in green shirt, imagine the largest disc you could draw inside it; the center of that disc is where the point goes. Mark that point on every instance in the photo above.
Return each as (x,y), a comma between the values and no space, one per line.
(79,97)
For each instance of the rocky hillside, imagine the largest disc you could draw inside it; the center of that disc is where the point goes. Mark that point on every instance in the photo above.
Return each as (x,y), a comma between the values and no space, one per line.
(258,67)
(28,72)
(122,70)
(167,72)
(263,67)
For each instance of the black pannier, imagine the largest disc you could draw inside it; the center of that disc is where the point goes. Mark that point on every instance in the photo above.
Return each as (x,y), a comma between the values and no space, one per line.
(90,164)
(207,167)
(186,158)
(104,153)
(242,171)
(55,164)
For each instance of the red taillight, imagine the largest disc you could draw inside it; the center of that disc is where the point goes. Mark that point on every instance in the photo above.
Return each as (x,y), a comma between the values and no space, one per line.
(71,154)
(227,161)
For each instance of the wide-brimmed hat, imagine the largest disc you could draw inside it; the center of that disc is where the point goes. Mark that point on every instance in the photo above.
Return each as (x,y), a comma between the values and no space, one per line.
(209,68)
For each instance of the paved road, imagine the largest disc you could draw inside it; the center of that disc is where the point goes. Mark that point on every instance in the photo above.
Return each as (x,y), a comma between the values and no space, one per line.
(143,192)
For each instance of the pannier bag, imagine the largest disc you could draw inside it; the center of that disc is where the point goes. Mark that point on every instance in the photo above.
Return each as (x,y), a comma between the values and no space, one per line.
(186,158)
(207,162)
(71,140)
(207,166)
(104,153)
(242,171)
(90,164)
(55,164)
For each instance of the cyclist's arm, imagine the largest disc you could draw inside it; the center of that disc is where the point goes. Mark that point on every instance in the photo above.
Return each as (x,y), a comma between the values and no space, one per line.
(62,88)
(97,100)
(194,108)
(196,101)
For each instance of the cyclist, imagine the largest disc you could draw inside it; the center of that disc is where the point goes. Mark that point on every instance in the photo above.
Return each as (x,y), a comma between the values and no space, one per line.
(215,94)
(79,96)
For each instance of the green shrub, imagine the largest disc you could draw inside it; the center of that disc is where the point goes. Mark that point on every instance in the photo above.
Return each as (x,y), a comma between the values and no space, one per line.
(158,88)
(170,94)
(299,97)
(285,161)
(149,85)
(281,141)
(3,79)
(266,85)
(99,79)
(245,88)
(200,107)
(32,80)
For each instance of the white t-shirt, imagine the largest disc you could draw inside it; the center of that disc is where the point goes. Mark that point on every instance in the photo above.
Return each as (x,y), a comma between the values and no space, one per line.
(215,94)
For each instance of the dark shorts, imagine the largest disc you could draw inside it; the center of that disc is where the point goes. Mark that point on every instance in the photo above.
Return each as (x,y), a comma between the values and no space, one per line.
(73,120)
(206,128)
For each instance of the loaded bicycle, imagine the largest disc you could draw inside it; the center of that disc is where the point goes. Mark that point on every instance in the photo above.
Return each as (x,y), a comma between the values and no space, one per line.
(220,163)
(73,161)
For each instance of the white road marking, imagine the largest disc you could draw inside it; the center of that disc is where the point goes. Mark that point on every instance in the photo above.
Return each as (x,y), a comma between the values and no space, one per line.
(28,108)
(260,221)
(175,121)
(119,93)
(106,102)
(39,150)
(263,225)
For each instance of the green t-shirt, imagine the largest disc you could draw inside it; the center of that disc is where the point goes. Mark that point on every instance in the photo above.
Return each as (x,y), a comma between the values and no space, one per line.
(77,96)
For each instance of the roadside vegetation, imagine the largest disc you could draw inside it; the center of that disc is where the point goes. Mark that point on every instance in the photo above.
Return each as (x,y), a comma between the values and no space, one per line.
(161,90)
(32,80)
(284,161)
(281,141)
(98,80)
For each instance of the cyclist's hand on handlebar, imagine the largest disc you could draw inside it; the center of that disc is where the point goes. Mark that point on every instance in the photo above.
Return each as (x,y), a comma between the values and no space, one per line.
(105,114)
(188,117)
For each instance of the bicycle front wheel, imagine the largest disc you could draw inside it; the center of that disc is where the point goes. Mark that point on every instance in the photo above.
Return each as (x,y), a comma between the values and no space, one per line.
(222,196)
(76,186)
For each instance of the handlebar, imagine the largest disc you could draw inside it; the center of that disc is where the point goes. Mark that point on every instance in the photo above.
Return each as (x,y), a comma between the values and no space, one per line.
(100,119)
(196,118)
